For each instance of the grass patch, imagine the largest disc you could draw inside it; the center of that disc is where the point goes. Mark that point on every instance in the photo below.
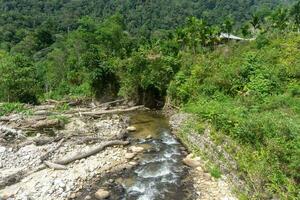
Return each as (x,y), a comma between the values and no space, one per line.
(7,108)
(62,107)
(61,118)
(215,172)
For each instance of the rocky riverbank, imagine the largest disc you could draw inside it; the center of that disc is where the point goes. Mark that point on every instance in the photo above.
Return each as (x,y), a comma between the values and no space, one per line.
(205,186)
(41,160)
(82,153)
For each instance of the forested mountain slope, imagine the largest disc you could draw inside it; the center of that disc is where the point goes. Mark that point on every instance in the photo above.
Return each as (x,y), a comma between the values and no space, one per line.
(18,17)
(249,91)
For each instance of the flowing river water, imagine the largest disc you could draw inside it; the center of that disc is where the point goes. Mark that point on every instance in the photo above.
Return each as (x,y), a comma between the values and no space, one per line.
(160,174)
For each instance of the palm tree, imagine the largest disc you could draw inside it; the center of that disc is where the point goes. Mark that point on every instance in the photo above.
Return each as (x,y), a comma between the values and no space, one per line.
(228,25)
(280,18)
(255,21)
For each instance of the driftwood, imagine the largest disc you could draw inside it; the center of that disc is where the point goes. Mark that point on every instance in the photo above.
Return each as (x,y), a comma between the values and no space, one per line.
(18,176)
(43,113)
(44,107)
(47,124)
(54,165)
(52,101)
(78,156)
(77,110)
(115,111)
(47,154)
(111,102)
(40,141)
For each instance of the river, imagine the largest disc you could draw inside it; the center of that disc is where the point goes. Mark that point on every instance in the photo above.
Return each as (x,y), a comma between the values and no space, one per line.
(160,173)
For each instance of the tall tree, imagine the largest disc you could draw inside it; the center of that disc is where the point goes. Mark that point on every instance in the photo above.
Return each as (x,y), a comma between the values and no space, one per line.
(280,18)
(228,25)
(18,81)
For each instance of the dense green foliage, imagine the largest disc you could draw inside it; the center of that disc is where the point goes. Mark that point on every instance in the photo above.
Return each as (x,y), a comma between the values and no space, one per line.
(41,20)
(252,95)
(248,90)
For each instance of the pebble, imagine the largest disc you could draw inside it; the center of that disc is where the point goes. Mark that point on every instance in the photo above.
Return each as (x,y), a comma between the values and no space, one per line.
(129,155)
(88,197)
(102,194)
(192,162)
(2,149)
(133,163)
(131,128)
(136,149)
(149,137)
(73,196)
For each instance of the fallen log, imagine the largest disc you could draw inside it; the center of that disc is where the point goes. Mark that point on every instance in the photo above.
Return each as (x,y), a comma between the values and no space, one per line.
(77,110)
(55,166)
(47,124)
(44,107)
(111,102)
(47,154)
(81,155)
(43,113)
(18,176)
(115,111)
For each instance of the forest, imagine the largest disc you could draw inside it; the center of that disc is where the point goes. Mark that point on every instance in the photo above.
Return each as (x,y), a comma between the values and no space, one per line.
(170,52)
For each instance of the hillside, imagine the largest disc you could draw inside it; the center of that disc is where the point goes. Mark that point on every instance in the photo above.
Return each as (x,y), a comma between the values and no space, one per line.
(244,95)
(19,18)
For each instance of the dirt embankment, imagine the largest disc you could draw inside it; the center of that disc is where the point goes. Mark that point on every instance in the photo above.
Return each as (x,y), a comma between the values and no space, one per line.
(205,185)
(53,154)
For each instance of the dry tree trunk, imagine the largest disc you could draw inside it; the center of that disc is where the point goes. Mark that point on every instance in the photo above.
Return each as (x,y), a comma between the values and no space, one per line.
(65,161)
(47,154)
(16,177)
(47,124)
(111,102)
(115,111)
(55,166)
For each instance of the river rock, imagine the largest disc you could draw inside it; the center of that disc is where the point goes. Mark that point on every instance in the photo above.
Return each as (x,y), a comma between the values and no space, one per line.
(136,149)
(73,196)
(131,128)
(133,163)
(102,194)
(149,137)
(129,155)
(192,162)
(88,197)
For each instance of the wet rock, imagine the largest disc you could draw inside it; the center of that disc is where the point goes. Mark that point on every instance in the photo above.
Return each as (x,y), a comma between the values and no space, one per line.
(192,162)
(131,128)
(102,194)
